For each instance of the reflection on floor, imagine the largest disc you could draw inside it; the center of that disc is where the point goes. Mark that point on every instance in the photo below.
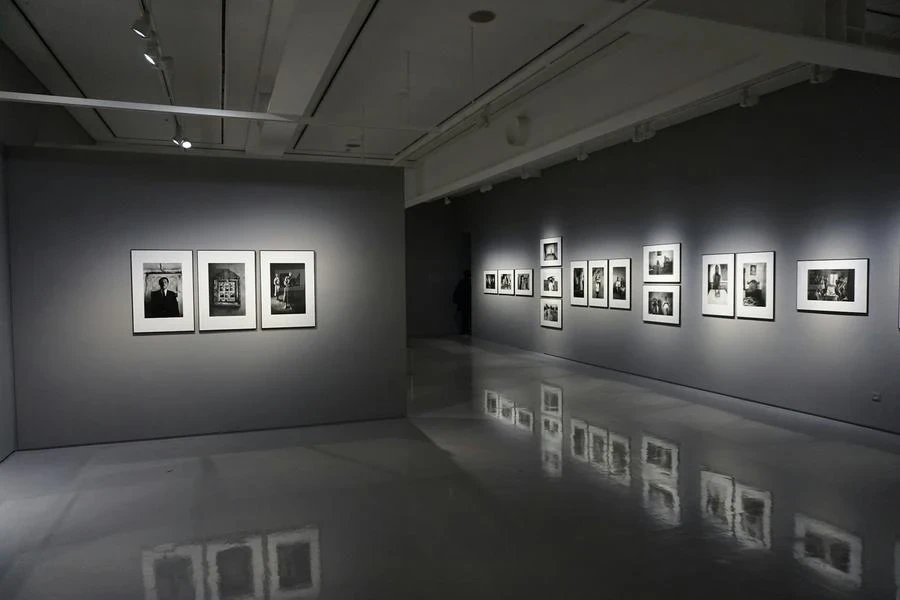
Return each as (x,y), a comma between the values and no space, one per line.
(519,476)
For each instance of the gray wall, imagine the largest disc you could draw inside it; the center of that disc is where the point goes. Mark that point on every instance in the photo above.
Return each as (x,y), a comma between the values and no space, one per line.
(811,173)
(81,376)
(7,391)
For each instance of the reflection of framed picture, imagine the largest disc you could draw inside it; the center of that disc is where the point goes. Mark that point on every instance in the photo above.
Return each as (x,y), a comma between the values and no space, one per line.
(227,289)
(718,289)
(294,564)
(620,283)
(507,411)
(235,569)
(618,459)
(753,517)
(578,286)
(551,429)
(490,282)
(551,252)
(524,282)
(833,286)
(551,399)
(659,458)
(598,442)
(288,285)
(173,572)
(491,402)
(551,457)
(662,501)
(717,500)
(551,283)
(162,291)
(524,419)
(551,313)
(828,550)
(662,263)
(505,282)
(662,304)
(598,283)
(755,285)
(578,439)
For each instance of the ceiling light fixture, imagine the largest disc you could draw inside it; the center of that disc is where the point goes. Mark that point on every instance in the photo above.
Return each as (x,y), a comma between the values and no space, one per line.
(142,27)
(151,54)
(482,16)
(179,140)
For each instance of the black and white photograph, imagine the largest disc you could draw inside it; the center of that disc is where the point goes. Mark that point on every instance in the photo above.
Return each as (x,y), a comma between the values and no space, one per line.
(662,502)
(578,271)
(491,403)
(833,286)
(598,448)
(753,517)
(598,283)
(551,399)
(294,565)
(662,263)
(551,429)
(828,550)
(551,252)
(755,286)
(506,284)
(227,283)
(172,571)
(490,282)
(288,284)
(717,500)
(620,283)
(551,458)
(235,569)
(524,419)
(507,412)
(662,304)
(162,291)
(524,282)
(551,313)
(718,285)
(619,458)
(551,283)
(578,439)
(659,458)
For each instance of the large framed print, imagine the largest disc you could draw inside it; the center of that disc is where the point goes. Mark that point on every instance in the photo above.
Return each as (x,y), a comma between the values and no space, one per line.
(718,285)
(598,281)
(662,263)
(162,291)
(226,280)
(833,286)
(288,282)
(551,283)
(505,279)
(755,286)
(551,252)
(524,282)
(578,283)
(551,313)
(662,304)
(490,282)
(620,283)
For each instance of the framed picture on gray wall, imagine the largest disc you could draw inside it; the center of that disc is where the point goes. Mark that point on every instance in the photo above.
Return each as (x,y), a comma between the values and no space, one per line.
(620,283)
(524,282)
(551,252)
(551,282)
(490,282)
(578,288)
(718,285)
(833,286)
(162,291)
(662,304)
(755,285)
(288,284)
(662,263)
(598,283)
(505,279)
(226,280)
(551,313)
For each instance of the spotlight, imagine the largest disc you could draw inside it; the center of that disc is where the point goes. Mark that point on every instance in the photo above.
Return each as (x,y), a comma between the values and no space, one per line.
(151,54)
(179,140)
(142,27)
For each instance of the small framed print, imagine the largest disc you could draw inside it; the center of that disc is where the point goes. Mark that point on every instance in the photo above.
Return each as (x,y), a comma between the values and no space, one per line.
(524,282)
(718,285)
(755,286)
(288,280)
(170,567)
(620,283)
(551,313)
(598,283)
(294,566)
(162,291)
(490,282)
(551,252)
(833,286)
(662,304)
(578,282)
(551,399)
(662,263)
(551,282)
(235,569)
(505,277)
(227,283)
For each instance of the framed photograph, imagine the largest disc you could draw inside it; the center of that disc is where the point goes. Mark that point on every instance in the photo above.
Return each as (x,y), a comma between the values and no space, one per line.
(289,279)
(755,286)
(662,304)
(162,291)
(598,442)
(578,439)
(578,283)
(524,282)
(294,566)
(598,282)
(505,277)
(717,500)
(828,550)
(662,263)
(618,459)
(551,429)
(507,411)
(551,283)
(227,283)
(490,282)
(551,252)
(235,569)
(491,403)
(718,285)
(524,419)
(620,283)
(551,313)
(753,517)
(659,458)
(833,286)
(551,399)
(167,568)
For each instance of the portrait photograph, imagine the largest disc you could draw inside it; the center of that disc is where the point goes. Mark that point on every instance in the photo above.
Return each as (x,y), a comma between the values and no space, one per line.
(717,500)
(162,291)
(662,304)
(524,282)
(551,313)
(505,277)
(490,282)
(717,285)
(833,286)
(829,550)
(578,283)
(227,289)
(551,283)
(598,273)
(755,286)
(288,284)
(662,263)
(753,517)
(551,252)
(620,283)
(294,565)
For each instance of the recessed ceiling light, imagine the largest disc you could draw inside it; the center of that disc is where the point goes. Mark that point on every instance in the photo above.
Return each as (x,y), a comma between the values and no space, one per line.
(482,16)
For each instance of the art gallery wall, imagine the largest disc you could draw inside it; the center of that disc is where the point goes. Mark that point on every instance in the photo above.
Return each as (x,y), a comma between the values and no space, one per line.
(810,173)
(7,392)
(81,376)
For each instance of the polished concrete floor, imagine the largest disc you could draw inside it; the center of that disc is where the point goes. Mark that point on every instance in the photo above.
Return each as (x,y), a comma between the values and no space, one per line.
(517,476)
